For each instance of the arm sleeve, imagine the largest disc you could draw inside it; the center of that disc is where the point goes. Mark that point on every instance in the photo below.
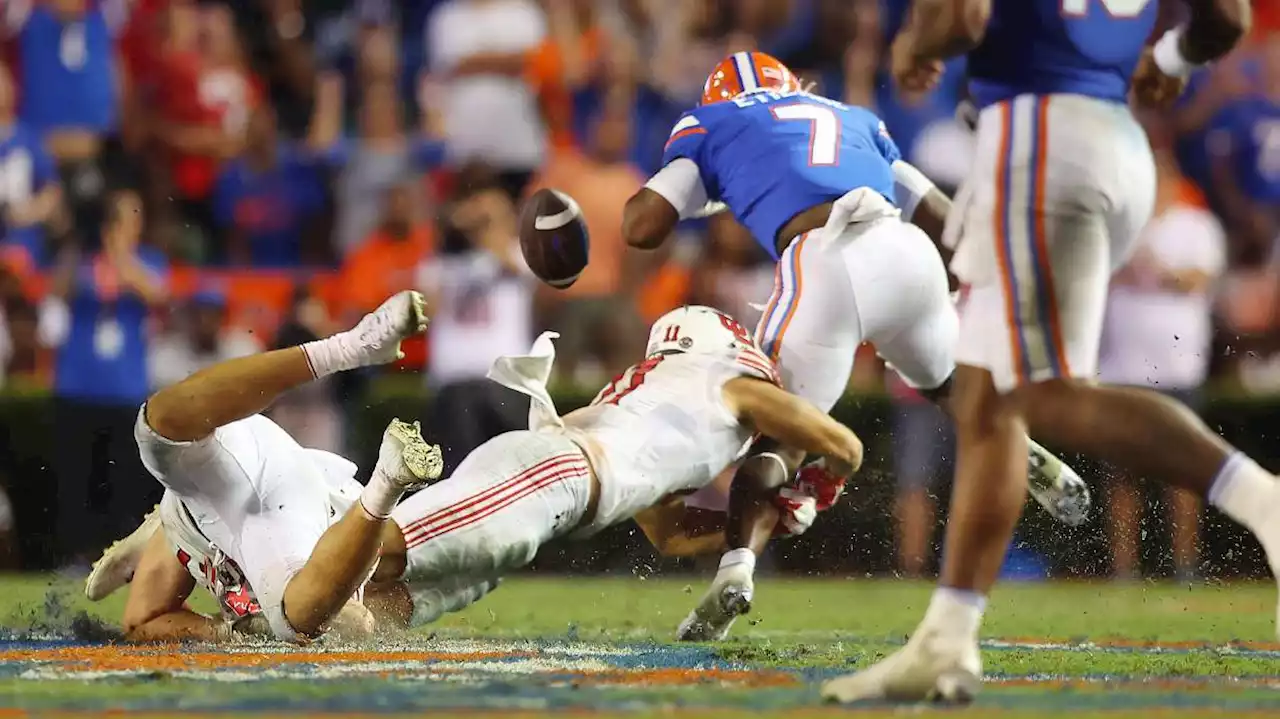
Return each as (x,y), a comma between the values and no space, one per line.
(680,183)
(909,187)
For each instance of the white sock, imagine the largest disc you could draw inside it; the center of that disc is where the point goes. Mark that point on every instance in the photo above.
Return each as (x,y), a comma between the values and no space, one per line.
(380,496)
(1247,493)
(955,611)
(330,355)
(736,557)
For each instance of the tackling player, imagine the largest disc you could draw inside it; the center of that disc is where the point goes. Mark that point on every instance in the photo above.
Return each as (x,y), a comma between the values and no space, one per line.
(667,425)
(1063,181)
(823,189)
(274,531)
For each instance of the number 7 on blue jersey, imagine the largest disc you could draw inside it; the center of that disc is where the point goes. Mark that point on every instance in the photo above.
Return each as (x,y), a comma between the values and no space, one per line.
(824,130)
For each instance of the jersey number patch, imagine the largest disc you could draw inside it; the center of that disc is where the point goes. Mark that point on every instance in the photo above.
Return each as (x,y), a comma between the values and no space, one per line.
(628,382)
(1114,8)
(824,130)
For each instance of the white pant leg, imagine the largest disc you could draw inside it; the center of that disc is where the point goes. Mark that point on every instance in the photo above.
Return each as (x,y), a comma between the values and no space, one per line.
(881,281)
(1061,186)
(254,493)
(508,497)
(903,302)
(810,326)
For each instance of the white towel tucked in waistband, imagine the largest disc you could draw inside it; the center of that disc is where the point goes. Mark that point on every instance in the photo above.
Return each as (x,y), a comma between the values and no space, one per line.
(860,205)
(528,375)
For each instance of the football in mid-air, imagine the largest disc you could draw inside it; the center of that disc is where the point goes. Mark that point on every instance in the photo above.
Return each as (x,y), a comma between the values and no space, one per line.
(553,237)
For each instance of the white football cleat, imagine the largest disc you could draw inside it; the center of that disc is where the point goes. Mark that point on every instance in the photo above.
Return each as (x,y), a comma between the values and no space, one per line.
(116,566)
(405,458)
(433,600)
(376,338)
(932,667)
(728,598)
(1057,487)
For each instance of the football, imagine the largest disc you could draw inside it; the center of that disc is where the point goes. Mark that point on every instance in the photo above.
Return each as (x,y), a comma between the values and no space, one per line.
(553,237)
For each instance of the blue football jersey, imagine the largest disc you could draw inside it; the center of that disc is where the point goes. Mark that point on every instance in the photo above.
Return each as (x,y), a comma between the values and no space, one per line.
(1044,47)
(770,156)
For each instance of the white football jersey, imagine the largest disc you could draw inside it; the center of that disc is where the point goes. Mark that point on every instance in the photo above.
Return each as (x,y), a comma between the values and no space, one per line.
(218,571)
(212,569)
(662,427)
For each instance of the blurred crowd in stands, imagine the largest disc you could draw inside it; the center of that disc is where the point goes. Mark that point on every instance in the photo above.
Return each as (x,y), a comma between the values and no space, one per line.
(185,181)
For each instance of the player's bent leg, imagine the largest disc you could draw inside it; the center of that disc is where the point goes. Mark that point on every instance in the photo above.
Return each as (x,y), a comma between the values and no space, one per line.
(810,325)
(507,498)
(753,521)
(344,556)
(239,388)
(941,660)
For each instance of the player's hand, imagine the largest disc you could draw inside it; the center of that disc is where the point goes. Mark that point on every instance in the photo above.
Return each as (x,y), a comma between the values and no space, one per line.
(911,74)
(1151,87)
(820,482)
(799,510)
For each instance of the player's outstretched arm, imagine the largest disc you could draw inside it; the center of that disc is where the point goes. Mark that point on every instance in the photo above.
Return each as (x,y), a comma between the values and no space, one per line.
(156,608)
(648,219)
(793,422)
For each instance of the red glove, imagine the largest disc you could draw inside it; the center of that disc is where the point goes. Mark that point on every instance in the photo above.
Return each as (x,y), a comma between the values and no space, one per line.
(815,480)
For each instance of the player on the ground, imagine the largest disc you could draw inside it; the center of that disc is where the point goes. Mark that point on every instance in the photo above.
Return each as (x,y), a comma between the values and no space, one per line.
(823,189)
(669,424)
(1063,181)
(278,533)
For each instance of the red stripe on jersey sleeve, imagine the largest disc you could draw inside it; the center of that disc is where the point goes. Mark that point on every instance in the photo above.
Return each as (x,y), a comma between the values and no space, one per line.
(758,365)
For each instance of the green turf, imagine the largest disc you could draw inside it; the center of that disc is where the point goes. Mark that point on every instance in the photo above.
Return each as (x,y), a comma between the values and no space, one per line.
(810,628)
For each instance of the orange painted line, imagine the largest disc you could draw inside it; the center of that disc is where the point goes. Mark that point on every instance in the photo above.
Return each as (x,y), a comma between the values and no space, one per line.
(134,658)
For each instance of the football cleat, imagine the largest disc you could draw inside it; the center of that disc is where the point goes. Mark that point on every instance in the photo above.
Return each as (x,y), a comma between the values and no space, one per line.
(376,338)
(405,458)
(931,667)
(728,598)
(116,566)
(1057,487)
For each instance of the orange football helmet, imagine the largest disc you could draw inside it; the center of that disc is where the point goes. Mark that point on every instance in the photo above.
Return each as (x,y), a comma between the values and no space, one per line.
(744,72)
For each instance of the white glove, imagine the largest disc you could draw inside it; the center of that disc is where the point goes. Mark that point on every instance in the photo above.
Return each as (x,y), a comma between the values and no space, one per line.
(799,510)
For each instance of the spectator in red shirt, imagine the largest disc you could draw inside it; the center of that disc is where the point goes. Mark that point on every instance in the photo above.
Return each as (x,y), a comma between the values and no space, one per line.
(204,95)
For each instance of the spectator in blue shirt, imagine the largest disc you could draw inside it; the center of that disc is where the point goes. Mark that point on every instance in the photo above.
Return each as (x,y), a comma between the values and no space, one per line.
(101,378)
(29,191)
(1244,147)
(71,93)
(270,202)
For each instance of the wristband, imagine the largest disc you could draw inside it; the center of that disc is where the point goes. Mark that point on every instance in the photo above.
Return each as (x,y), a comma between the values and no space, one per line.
(1167,54)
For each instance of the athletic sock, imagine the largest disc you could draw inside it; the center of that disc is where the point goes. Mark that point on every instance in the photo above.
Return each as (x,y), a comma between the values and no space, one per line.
(330,355)
(1248,494)
(742,556)
(955,611)
(380,496)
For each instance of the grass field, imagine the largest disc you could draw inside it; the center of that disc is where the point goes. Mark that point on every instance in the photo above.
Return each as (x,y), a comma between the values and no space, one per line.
(601,647)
